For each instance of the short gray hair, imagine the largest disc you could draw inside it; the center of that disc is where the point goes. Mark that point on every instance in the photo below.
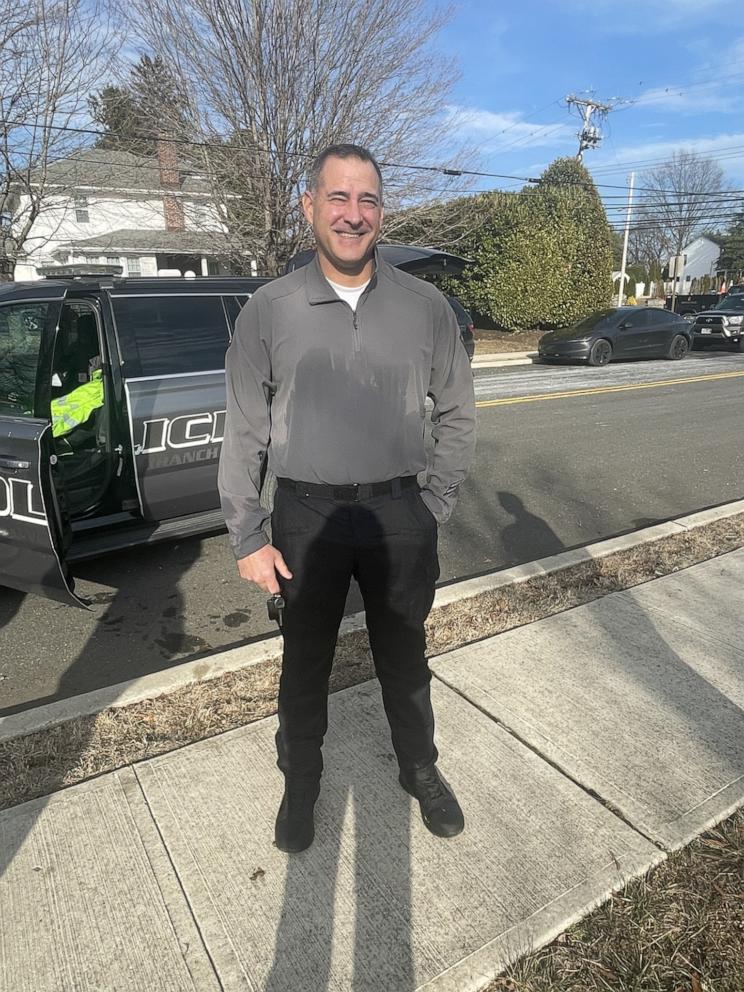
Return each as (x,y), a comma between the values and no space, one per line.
(340,151)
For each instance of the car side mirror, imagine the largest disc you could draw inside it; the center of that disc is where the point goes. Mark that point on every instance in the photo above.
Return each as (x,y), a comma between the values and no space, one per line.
(625,324)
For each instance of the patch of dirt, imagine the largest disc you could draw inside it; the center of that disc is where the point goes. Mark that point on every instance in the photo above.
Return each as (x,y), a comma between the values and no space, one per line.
(51,759)
(493,342)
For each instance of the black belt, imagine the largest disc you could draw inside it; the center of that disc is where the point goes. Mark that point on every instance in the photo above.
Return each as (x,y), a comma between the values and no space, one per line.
(353,493)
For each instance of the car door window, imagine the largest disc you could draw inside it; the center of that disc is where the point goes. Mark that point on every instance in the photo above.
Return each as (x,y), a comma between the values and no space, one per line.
(233,306)
(170,335)
(659,318)
(636,321)
(21,329)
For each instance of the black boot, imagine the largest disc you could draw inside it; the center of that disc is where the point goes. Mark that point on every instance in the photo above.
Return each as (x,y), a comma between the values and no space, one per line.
(440,810)
(295,829)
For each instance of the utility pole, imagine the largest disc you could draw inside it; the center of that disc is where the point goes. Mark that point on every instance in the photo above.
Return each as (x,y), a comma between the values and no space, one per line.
(625,242)
(676,266)
(590,135)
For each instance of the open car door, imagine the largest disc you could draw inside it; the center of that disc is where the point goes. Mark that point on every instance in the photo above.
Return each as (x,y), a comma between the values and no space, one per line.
(34,530)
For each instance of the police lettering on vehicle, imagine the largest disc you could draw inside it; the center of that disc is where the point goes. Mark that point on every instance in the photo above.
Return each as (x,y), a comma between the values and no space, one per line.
(19,501)
(168,440)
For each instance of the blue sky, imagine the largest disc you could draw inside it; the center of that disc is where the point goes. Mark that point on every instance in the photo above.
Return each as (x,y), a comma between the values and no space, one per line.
(679,64)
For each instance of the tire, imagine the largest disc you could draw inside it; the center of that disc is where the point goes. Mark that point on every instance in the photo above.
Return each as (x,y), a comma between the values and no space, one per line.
(678,348)
(740,345)
(601,353)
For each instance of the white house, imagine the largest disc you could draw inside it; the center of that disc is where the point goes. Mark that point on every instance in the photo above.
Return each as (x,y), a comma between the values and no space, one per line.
(699,258)
(145,214)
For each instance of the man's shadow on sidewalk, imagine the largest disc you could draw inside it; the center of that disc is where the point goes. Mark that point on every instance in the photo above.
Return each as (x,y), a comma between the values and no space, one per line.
(346,917)
(346,920)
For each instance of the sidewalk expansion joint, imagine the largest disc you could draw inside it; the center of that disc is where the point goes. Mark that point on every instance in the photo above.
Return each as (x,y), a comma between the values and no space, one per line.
(587,790)
(177,879)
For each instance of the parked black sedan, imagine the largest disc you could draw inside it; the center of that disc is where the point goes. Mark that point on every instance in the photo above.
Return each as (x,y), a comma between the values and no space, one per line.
(619,333)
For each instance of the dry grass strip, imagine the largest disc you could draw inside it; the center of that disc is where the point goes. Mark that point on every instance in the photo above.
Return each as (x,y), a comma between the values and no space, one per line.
(678,929)
(494,342)
(51,759)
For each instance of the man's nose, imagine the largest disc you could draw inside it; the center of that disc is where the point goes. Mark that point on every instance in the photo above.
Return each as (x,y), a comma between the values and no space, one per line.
(353,213)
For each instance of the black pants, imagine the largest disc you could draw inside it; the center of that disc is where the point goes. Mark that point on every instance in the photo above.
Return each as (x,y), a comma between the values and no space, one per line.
(389,544)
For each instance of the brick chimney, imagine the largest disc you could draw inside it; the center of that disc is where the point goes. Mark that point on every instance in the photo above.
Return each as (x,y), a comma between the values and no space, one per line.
(170,178)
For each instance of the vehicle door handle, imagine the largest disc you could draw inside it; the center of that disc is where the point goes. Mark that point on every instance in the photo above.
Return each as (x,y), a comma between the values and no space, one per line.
(13,463)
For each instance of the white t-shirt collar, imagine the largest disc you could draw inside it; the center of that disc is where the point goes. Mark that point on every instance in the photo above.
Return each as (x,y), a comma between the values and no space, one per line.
(349,294)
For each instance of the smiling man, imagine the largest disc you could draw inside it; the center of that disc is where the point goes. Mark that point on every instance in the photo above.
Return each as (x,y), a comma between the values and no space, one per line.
(327,378)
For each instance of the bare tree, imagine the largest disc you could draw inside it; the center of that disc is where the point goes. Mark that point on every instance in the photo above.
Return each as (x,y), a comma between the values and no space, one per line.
(681,199)
(51,53)
(271,82)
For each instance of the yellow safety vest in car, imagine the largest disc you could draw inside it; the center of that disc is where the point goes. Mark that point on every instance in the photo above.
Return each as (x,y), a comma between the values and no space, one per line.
(72,410)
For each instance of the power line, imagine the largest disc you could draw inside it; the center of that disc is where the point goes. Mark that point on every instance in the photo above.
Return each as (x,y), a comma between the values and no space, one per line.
(123,168)
(705,223)
(730,152)
(411,167)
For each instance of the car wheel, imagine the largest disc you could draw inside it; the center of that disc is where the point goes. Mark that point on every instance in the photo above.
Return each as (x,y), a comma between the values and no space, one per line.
(678,348)
(740,345)
(601,352)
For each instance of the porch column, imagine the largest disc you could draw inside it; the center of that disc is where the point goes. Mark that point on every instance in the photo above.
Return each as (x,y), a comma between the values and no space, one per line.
(204,266)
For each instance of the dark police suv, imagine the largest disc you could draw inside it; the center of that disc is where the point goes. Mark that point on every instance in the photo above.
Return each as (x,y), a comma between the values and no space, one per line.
(112,413)
(143,464)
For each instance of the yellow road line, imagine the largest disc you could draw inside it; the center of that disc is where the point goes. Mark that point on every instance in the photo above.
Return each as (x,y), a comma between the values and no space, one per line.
(606,389)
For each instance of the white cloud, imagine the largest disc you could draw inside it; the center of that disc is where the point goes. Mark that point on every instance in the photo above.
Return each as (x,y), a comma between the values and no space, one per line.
(727,149)
(638,17)
(500,131)
(690,99)
(707,89)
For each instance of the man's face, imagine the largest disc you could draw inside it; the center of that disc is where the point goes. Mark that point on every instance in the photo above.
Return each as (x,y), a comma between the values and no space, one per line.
(346,214)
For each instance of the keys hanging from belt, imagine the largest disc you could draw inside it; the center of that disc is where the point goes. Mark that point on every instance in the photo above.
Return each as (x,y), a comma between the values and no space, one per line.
(275,608)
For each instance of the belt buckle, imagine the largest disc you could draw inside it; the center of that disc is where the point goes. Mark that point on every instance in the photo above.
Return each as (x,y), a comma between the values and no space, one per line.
(349,492)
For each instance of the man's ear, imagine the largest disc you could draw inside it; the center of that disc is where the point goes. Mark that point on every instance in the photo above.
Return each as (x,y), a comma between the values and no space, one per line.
(307,206)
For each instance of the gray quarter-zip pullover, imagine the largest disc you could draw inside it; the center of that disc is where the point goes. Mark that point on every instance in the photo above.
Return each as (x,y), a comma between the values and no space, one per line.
(337,396)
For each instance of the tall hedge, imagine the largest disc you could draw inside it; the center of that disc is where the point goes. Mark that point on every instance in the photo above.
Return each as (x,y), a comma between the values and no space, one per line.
(543,257)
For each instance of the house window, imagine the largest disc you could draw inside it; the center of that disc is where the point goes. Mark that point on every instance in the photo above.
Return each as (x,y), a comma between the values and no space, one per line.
(81,210)
(133,267)
(113,260)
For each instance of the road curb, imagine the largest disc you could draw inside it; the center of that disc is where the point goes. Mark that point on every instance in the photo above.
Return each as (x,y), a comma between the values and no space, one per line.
(452,624)
(505,358)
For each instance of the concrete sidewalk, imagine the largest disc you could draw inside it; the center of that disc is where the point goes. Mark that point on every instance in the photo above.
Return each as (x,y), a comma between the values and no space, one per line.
(504,359)
(582,747)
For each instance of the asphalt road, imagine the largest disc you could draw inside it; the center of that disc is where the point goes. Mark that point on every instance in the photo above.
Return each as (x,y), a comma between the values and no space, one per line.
(566,456)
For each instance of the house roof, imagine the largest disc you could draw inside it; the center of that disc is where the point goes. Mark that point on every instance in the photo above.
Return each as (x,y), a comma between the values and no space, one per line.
(104,168)
(713,236)
(713,239)
(149,241)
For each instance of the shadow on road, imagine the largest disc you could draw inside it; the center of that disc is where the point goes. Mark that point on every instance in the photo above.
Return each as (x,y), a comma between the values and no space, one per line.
(527,533)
